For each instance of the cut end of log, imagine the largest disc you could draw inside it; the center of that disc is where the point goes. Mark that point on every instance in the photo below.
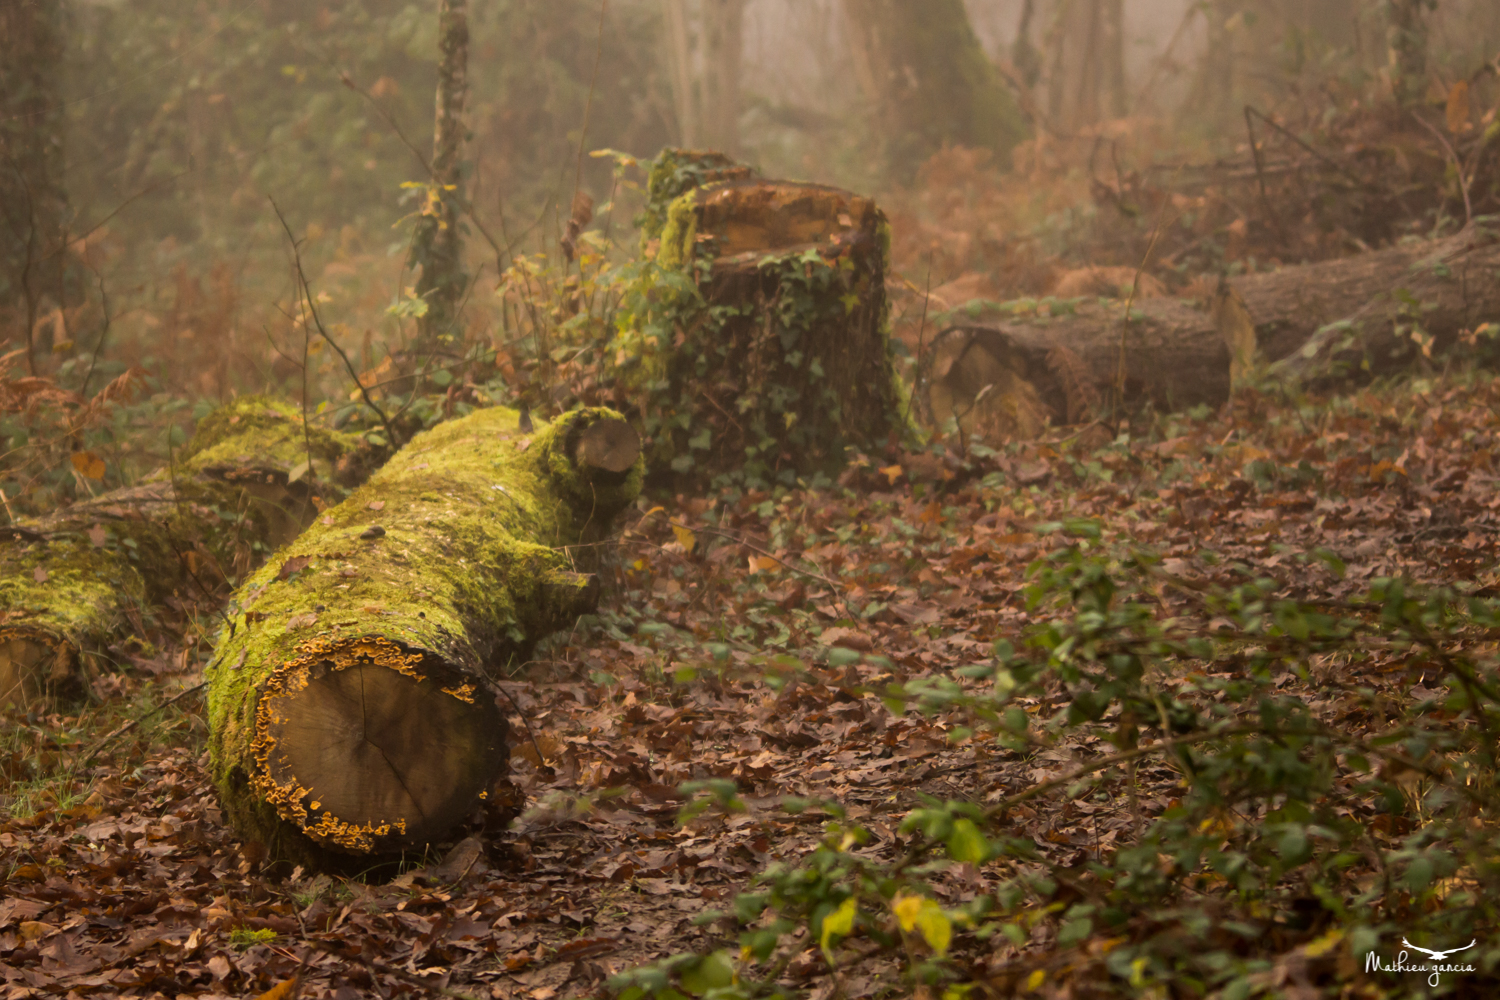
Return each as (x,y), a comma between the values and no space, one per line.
(32,665)
(369,749)
(610,444)
(977,379)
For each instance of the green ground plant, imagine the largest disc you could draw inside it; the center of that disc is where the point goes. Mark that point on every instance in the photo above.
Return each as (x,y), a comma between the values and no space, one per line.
(1280,824)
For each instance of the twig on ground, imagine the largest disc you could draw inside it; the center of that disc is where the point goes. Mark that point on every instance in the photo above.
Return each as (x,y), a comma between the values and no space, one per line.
(122,730)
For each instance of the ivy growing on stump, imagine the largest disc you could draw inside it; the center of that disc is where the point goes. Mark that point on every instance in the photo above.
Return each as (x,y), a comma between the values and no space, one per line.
(755,342)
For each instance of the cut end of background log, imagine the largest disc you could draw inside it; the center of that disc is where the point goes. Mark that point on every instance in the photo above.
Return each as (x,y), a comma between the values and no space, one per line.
(32,667)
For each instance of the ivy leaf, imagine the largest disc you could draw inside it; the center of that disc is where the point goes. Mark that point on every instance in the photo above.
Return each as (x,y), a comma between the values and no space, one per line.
(840,922)
(966,843)
(712,972)
(926,916)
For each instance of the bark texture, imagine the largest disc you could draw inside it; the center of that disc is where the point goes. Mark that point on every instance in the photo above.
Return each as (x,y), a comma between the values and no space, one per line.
(758,345)
(922,66)
(1371,315)
(1406,43)
(438,246)
(350,707)
(74,581)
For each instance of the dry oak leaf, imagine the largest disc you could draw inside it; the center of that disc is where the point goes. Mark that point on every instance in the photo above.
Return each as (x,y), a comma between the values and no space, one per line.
(848,638)
(88,465)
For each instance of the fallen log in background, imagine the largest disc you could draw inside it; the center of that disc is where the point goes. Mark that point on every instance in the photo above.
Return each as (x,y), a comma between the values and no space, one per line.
(72,582)
(350,705)
(761,350)
(1177,354)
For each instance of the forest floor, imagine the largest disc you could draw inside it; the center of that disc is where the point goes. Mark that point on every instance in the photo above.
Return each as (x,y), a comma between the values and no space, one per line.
(716,659)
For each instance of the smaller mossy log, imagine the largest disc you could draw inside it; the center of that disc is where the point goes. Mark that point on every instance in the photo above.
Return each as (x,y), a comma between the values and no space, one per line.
(249,479)
(1319,324)
(351,710)
(756,346)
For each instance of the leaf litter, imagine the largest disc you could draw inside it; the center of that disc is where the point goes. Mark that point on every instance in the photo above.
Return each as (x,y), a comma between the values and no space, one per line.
(726,656)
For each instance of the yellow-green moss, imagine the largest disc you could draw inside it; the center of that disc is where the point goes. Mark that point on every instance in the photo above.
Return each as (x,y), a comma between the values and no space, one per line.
(449,554)
(77,579)
(679,234)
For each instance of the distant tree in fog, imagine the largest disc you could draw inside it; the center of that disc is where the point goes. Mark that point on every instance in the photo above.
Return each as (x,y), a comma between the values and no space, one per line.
(931,85)
(33,205)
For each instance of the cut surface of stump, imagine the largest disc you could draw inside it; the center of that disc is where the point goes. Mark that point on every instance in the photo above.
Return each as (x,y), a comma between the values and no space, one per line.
(371,747)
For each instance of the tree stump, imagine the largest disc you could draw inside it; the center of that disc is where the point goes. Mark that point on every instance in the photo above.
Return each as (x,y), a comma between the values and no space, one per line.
(73,581)
(351,708)
(756,343)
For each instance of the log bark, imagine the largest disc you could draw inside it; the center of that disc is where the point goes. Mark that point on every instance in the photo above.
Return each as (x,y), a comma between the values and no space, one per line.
(351,710)
(72,582)
(756,346)
(1319,324)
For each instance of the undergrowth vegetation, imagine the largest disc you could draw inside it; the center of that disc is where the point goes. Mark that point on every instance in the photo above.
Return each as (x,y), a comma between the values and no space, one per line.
(1188,705)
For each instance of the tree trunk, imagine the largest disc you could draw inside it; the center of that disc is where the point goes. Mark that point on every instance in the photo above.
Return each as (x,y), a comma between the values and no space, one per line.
(33,206)
(74,581)
(438,245)
(1217,75)
(724,34)
(1406,41)
(350,702)
(931,80)
(758,348)
(1371,315)
(1086,78)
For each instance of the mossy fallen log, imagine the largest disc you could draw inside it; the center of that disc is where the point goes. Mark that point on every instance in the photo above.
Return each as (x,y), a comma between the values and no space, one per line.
(756,343)
(250,479)
(350,703)
(1360,317)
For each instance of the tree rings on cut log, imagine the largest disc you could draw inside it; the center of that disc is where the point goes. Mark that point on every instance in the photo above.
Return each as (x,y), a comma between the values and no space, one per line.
(612,445)
(30,668)
(362,741)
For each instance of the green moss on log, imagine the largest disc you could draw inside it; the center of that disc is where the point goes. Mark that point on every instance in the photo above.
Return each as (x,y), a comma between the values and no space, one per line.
(452,561)
(74,581)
